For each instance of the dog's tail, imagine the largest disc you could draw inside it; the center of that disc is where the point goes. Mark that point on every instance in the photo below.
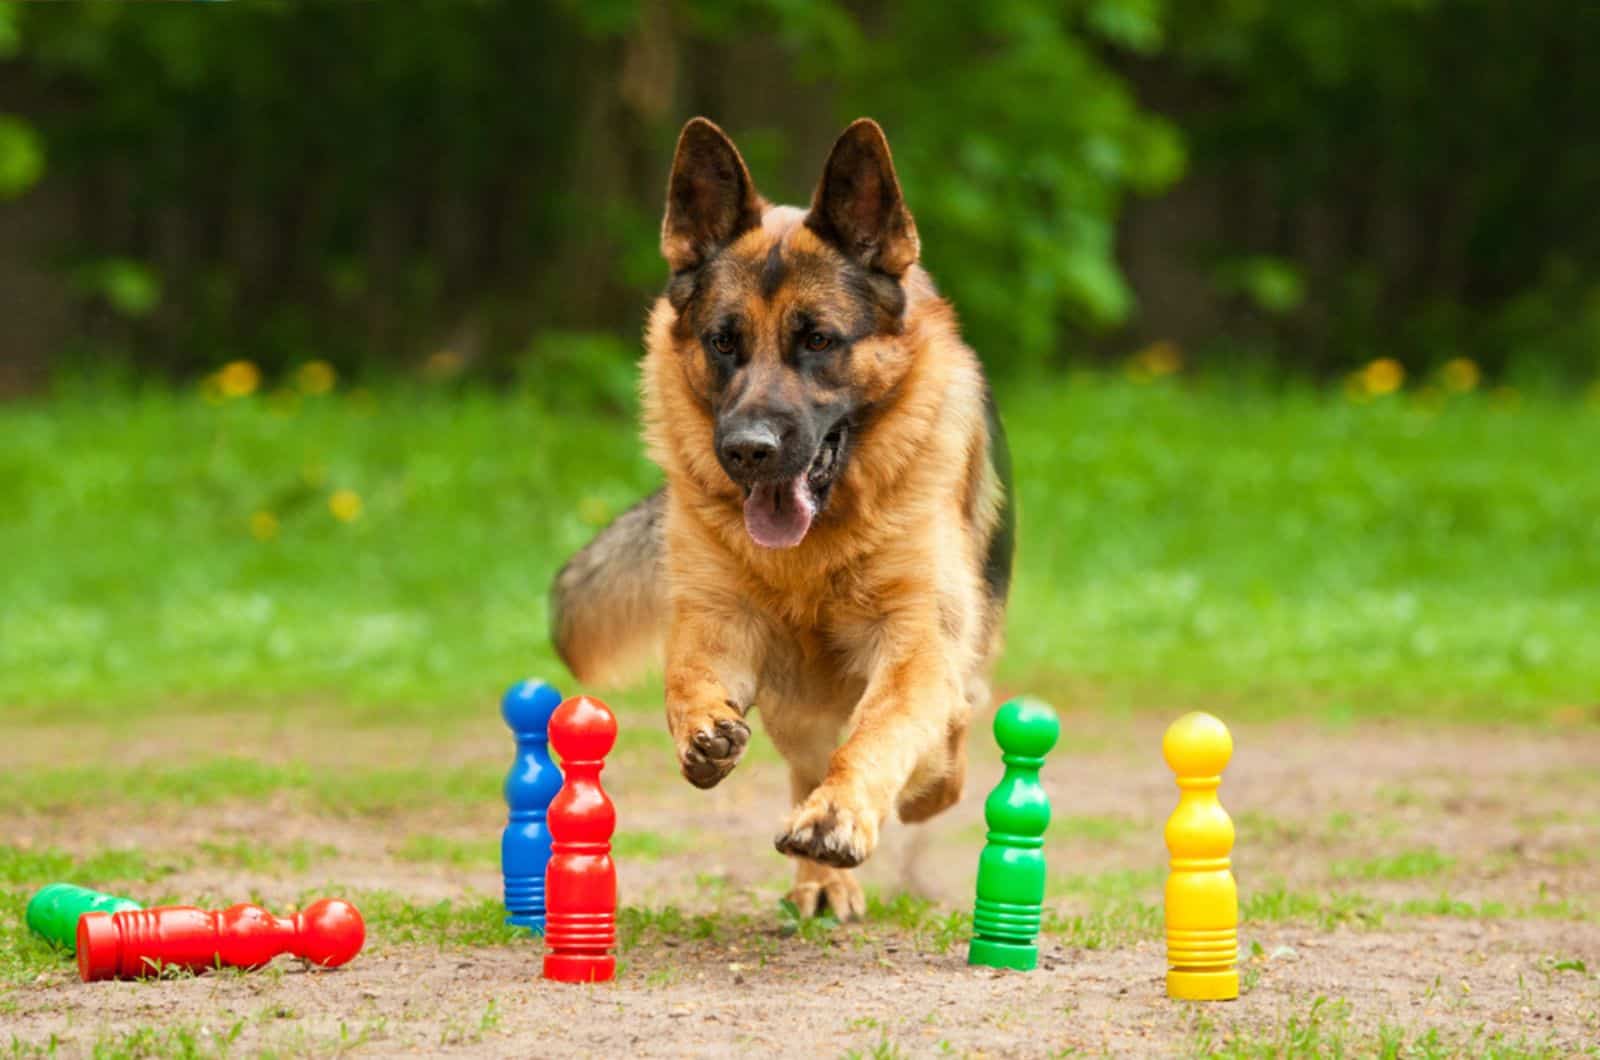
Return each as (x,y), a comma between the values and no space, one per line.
(608,604)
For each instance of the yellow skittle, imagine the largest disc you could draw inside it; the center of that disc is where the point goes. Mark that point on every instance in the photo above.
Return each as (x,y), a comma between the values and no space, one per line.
(1202,900)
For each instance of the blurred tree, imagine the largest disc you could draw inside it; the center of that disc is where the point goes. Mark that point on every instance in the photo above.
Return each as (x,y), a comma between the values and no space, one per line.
(1425,167)
(443,183)
(370,183)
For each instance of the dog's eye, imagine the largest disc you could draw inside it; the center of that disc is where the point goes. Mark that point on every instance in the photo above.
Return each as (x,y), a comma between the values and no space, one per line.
(722,343)
(816,342)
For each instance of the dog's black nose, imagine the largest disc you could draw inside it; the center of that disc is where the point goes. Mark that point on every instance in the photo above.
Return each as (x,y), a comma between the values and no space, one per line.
(750,449)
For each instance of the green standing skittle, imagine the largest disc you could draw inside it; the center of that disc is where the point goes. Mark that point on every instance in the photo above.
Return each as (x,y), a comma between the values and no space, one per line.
(1005,922)
(55,910)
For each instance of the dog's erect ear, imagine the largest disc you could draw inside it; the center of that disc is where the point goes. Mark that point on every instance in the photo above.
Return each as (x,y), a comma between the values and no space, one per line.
(710,199)
(858,207)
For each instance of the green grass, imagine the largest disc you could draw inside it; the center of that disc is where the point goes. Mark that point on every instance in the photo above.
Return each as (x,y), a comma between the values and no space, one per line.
(485,852)
(1326,1028)
(1270,550)
(209,781)
(1406,865)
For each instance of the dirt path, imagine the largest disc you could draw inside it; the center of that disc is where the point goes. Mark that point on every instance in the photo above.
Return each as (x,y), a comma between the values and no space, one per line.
(1433,886)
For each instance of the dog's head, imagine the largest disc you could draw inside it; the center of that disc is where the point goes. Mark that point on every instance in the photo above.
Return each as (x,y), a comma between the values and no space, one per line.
(781,313)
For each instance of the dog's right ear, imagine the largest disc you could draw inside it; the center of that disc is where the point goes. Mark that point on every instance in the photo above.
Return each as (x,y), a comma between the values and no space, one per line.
(710,198)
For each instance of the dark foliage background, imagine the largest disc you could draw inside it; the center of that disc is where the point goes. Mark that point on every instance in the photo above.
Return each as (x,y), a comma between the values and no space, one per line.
(473,187)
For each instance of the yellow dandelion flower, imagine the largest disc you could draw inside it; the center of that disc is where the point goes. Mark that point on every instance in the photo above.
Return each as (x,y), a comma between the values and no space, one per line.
(238,379)
(1460,374)
(1154,361)
(316,378)
(1383,376)
(1162,358)
(345,505)
(263,526)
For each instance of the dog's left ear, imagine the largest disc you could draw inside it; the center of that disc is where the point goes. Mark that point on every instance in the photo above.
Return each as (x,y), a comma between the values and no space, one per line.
(858,206)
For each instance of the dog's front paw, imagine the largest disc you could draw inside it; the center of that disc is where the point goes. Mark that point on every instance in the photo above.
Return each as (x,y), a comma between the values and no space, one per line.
(822,887)
(831,828)
(710,746)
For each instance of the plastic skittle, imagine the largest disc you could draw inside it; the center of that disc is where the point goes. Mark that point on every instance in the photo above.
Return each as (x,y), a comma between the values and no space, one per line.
(531,784)
(55,910)
(138,942)
(1005,920)
(581,882)
(1202,899)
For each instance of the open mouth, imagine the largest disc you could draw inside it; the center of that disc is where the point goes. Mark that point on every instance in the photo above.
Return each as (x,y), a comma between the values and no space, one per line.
(778,514)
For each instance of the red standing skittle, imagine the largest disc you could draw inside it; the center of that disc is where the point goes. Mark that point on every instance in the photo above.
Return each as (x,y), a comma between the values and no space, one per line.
(581,881)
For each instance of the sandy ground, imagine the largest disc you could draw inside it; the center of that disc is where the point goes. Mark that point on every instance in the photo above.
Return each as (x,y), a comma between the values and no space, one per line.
(1507,823)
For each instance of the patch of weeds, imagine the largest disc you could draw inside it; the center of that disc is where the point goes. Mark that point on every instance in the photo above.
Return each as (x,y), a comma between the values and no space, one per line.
(35,868)
(646,738)
(1277,904)
(1406,865)
(21,1050)
(485,852)
(1571,857)
(465,923)
(1398,795)
(372,1030)
(1444,905)
(1120,923)
(272,858)
(456,1032)
(1117,885)
(184,1041)
(927,922)
(444,850)
(1253,826)
(1095,829)
(813,929)
(1395,1043)
(1322,1031)
(662,977)
(24,956)
(212,781)
(884,1049)
(712,885)
(637,924)
(1547,908)
(649,846)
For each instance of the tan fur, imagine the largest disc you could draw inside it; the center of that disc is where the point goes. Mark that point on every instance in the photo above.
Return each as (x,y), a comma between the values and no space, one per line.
(866,647)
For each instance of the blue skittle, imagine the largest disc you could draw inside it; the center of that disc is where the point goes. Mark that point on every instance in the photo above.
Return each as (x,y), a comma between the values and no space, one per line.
(533,781)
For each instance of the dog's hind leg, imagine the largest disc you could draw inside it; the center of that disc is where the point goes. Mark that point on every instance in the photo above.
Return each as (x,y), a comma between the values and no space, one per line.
(939,778)
(818,886)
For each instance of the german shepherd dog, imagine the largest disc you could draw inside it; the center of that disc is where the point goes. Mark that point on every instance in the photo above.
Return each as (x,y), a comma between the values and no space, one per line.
(833,542)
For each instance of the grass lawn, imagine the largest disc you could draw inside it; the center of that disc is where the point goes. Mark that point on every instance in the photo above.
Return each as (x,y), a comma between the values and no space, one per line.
(1268,552)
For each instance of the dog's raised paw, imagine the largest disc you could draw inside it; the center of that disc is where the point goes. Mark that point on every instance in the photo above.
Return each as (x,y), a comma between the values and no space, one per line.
(829,830)
(714,748)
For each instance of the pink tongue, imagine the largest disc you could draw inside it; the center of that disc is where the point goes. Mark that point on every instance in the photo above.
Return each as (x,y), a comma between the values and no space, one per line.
(778,514)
